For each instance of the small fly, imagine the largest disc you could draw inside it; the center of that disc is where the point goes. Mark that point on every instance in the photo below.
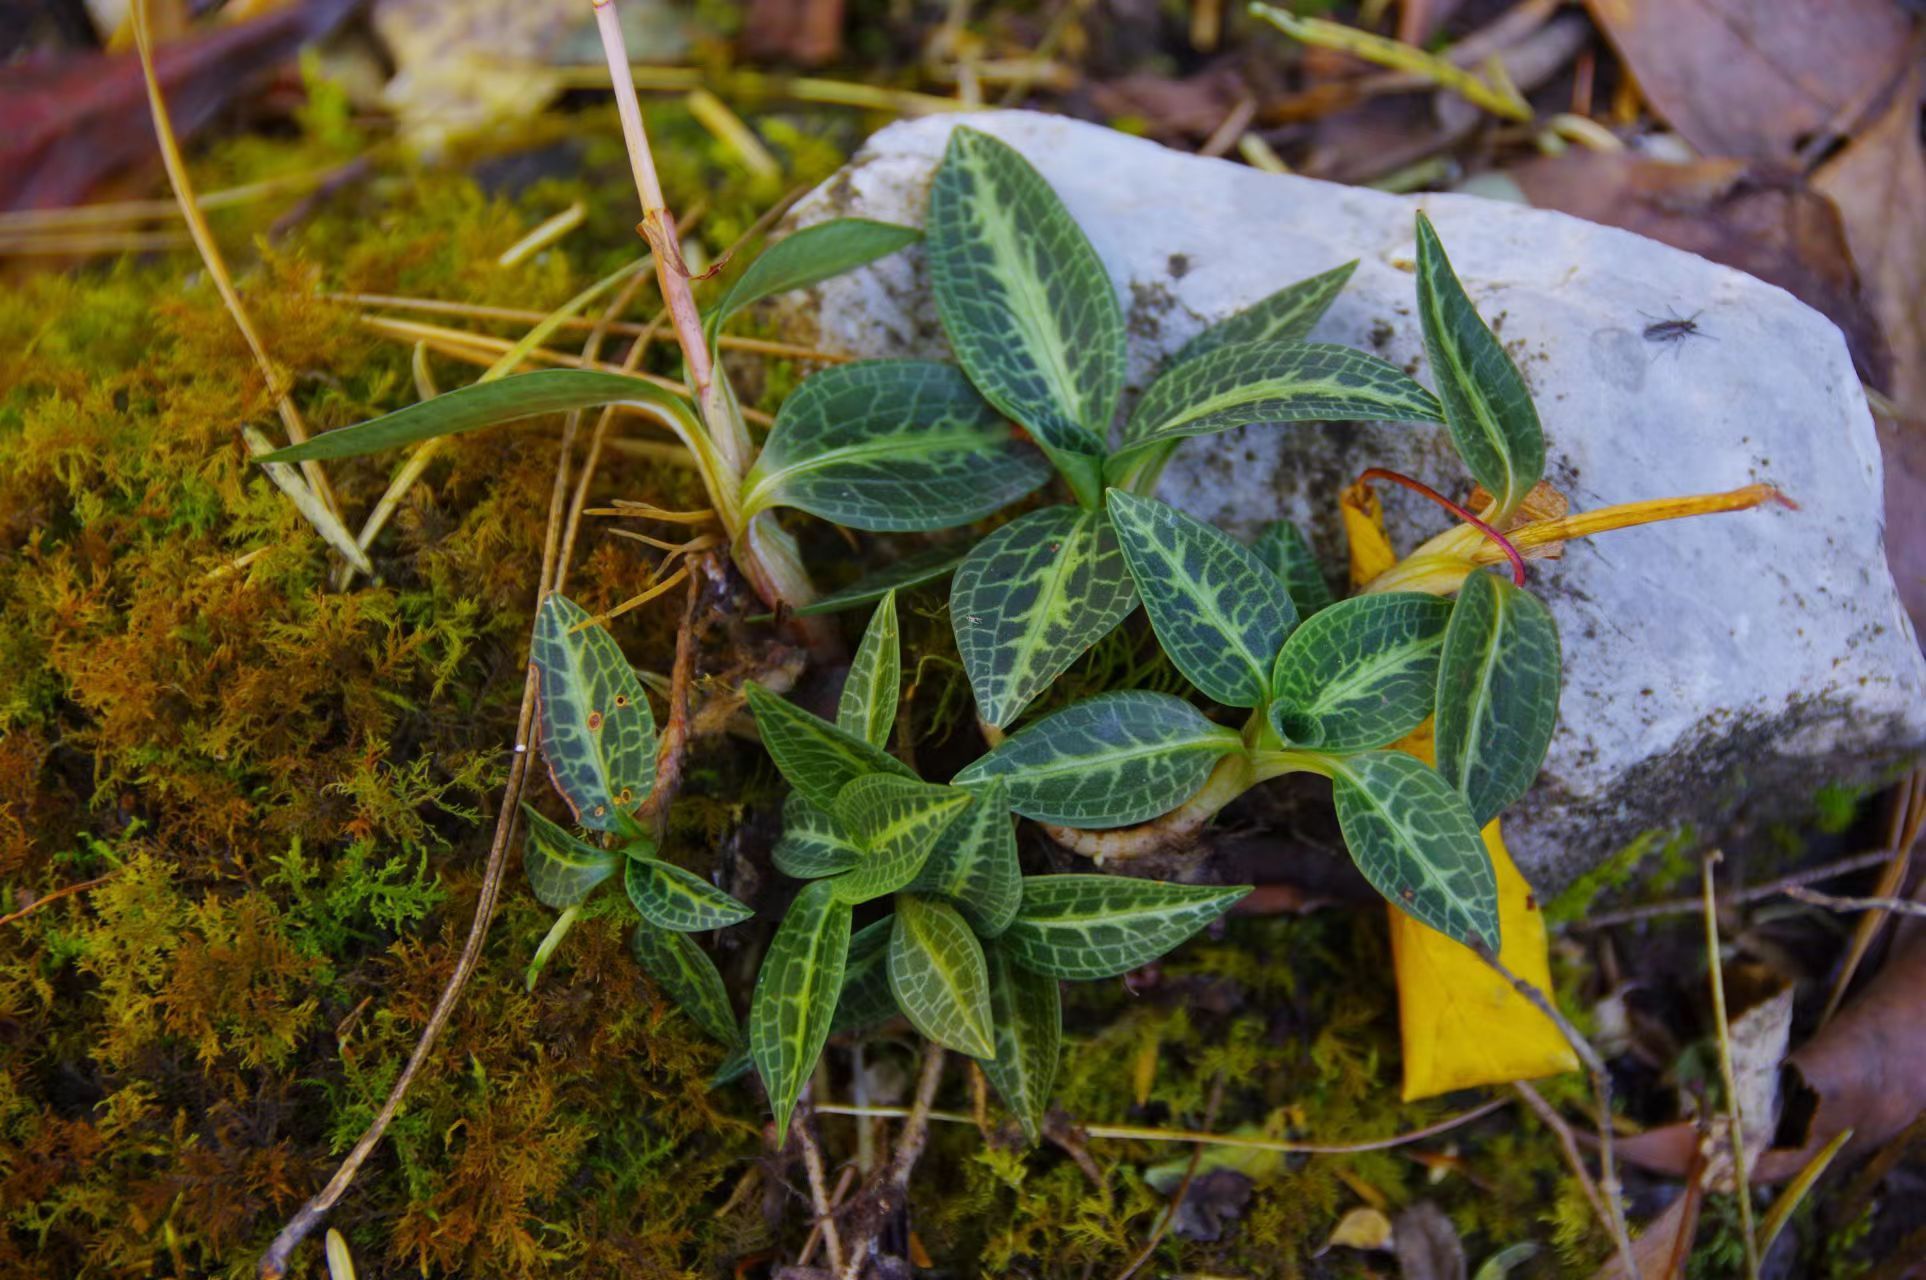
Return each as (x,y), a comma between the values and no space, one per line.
(1674,329)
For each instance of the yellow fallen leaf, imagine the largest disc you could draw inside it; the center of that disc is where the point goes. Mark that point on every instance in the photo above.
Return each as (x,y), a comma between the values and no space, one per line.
(1461,1023)
(1371,550)
(1361,1229)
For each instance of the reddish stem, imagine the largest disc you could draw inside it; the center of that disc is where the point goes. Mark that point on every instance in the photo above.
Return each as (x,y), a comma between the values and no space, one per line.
(1424,490)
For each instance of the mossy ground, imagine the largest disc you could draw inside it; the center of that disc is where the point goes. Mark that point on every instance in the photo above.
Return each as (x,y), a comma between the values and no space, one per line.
(291,789)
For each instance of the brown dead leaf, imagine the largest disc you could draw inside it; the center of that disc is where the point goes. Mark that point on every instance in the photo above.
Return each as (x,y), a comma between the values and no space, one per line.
(1879,185)
(1756,78)
(1427,1244)
(1663,1246)
(1190,108)
(1759,218)
(808,34)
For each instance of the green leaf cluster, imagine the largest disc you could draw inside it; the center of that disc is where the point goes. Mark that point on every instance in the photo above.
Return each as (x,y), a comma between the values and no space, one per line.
(971,950)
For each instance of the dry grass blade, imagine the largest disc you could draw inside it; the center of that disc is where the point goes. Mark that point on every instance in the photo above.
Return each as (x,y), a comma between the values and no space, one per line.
(1741,1174)
(210,252)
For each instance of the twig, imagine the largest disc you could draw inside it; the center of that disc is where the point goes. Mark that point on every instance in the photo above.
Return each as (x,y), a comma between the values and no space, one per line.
(1169,1215)
(1567,1140)
(909,1149)
(274,1262)
(1735,1110)
(56,896)
(1136,1134)
(819,1191)
(1602,1093)
(1902,906)
(1771,889)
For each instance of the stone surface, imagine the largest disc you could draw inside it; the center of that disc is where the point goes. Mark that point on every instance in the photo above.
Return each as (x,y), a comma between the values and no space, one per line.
(1726,659)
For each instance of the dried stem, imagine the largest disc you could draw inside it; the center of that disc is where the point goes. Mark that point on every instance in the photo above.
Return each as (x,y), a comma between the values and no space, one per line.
(1902,832)
(894,1192)
(1770,889)
(1735,1110)
(1601,1092)
(1901,906)
(1169,1215)
(812,1156)
(1569,1142)
(56,896)
(274,1262)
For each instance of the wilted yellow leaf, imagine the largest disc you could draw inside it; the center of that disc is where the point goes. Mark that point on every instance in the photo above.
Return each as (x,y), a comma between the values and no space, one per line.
(1462,1024)
(1371,550)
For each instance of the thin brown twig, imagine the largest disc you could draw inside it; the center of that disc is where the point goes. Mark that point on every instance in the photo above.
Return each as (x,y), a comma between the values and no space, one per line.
(1770,889)
(1902,833)
(1901,906)
(1567,1140)
(909,1149)
(56,896)
(275,1261)
(825,1223)
(1169,1215)
(1608,1184)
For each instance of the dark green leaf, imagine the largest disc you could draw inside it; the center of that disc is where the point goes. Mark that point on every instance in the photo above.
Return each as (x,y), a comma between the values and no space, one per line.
(896,821)
(974,864)
(1287,553)
(1107,761)
(912,570)
(866,998)
(874,684)
(1360,674)
(937,973)
(1031,599)
(1497,693)
(734,1067)
(485,404)
(1084,926)
(598,735)
(1414,840)
(812,844)
(561,869)
(1486,403)
(808,256)
(1288,315)
(687,976)
(1218,612)
(818,758)
(1246,382)
(796,994)
(1026,302)
(1026,1012)
(680,901)
(891,445)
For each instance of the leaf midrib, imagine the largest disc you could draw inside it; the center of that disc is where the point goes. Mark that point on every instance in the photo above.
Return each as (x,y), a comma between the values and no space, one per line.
(890,447)
(1468,390)
(1333,695)
(1487,667)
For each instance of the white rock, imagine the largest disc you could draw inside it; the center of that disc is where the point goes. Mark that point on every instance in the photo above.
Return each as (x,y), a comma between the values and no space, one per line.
(1737,657)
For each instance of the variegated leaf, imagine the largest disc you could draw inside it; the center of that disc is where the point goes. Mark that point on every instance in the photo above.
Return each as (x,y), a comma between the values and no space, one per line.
(974,864)
(597,733)
(1218,612)
(1497,693)
(812,844)
(818,758)
(1246,382)
(1360,674)
(687,976)
(1287,553)
(807,257)
(866,998)
(874,684)
(1107,761)
(561,869)
(912,570)
(1486,403)
(1025,302)
(1031,599)
(680,901)
(1026,1012)
(1414,839)
(937,973)
(896,821)
(796,994)
(891,445)
(1288,315)
(487,404)
(1086,926)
